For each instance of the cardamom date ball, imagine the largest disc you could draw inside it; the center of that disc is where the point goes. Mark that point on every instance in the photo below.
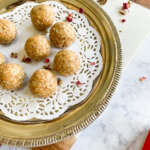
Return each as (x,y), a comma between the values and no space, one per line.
(11,76)
(42,16)
(66,62)
(62,34)
(7,31)
(43,83)
(2,59)
(37,47)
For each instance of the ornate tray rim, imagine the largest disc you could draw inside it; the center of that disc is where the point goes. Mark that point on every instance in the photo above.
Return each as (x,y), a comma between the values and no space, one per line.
(70,130)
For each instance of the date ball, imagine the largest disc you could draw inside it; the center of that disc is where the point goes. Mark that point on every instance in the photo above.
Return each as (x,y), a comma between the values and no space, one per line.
(42,16)
(11,76)
(37,47)
(2,59)
(43,83)
(66,62)
(62,34)
(7,31)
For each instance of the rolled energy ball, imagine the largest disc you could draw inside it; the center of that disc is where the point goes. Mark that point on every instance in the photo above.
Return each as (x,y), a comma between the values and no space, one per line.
(2,59)
(11,76)
(43,83)
(7,31)
(66,62)
(42,16)
(37,47)
(62,34)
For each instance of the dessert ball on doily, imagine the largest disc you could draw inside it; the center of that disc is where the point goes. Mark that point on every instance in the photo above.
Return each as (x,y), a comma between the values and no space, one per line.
(2,59)
(37,47)
(42,16)
(11,76)
(66,62)
(7,31)
(43,83)
(62,34)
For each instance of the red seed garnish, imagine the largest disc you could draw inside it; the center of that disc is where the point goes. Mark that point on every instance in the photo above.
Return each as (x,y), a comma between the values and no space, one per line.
(142,79)
(78,83)
(92,63)
(47,60)
(126,6)
(70,15)
(81,10)
(48,67)
(122,12)
(123,20)
(69,18)
(59,81)
(13,55)
(26,60)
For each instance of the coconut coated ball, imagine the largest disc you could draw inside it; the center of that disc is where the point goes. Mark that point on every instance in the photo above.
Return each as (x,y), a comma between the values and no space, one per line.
(37,47)
(62,34)
(66,62)
(2,59)
(43,83)
(42,16)
(11,76)
(7,31)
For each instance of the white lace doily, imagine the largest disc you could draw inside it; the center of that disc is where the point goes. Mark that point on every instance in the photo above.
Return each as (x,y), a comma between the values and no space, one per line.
(22,105)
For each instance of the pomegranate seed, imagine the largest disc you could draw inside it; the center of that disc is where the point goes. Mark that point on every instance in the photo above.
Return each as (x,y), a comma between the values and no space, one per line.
(13,55)
(69,15)
(126,6)
(81,10)
(48,67)
(123,20)
(122,12)
(142,79)
(78,83)
(59,81)
(69,18)
(92,63)
(28,60)
(47,60)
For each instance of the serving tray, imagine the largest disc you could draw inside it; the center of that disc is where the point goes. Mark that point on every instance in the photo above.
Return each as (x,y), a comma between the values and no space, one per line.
(34,134)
